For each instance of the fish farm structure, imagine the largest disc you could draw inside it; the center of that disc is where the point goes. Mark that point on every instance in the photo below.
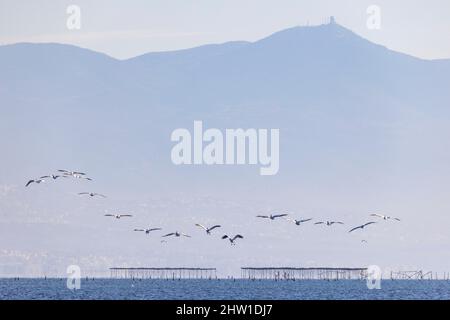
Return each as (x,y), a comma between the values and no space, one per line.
(290,273)
(267,273)
(414,275)
(163,273)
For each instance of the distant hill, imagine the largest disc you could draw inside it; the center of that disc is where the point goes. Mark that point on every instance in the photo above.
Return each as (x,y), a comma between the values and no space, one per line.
(362,128)
(314,82)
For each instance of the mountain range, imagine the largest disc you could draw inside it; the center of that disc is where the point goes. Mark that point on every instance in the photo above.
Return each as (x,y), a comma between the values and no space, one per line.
(362,126)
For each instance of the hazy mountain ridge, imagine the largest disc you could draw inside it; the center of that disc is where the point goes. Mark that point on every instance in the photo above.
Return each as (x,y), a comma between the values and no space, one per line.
(362,128)
(299,80)
(292,59)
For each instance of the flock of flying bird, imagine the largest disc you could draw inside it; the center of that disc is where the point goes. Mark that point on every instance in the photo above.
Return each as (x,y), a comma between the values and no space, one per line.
(60,174)
(232,239)
(82,175)
(327,223)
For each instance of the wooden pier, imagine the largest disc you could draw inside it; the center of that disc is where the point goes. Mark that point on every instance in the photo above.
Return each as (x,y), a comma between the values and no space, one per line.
(290,273)
(163,273)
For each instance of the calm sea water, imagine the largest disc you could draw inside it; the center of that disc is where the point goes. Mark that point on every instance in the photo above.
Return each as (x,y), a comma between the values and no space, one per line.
(221,289)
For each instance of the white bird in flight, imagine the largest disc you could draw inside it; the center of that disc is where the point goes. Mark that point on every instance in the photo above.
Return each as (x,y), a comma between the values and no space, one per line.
(147,231)
(92,194)
(383,216)
(53,176)
(118,216)
(34,181)
(75,174)
(238,236)
(298,222)
(362,226)
(329,223)
(208,230)
(72,173)
(272,216)
(176,234)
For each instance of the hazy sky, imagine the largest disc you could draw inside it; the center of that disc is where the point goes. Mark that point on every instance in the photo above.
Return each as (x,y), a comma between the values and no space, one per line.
(347,150)
(128,28)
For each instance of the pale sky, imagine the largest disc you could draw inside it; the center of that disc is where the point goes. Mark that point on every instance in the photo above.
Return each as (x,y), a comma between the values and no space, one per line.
(345,162)
(125,29)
